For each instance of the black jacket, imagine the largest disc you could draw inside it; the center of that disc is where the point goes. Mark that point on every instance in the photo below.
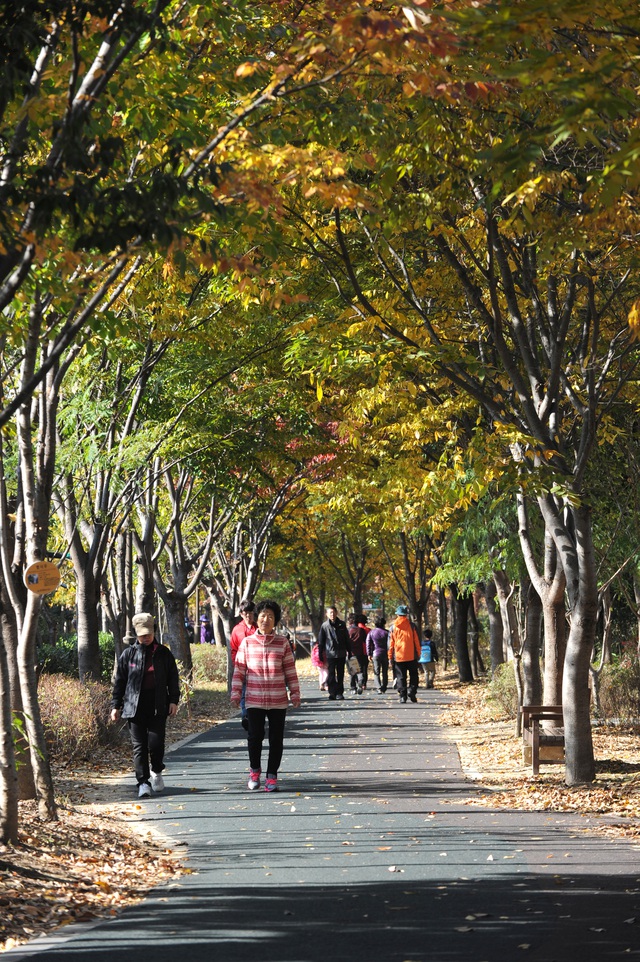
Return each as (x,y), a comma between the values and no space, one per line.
(128,680)
(333,639)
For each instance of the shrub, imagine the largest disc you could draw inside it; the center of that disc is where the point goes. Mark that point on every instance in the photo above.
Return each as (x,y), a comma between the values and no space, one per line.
(620,690)
(502,691)
(62,657)
(75,715)
(209,664)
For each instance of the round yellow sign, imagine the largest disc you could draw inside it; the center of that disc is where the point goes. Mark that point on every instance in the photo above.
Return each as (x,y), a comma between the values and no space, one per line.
(42,577)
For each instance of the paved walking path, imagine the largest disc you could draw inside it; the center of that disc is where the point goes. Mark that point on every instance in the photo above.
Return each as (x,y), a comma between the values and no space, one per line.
(370,850)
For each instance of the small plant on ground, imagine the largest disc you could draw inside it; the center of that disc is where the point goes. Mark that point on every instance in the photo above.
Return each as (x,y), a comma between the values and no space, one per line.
(209,665)
(75,715)
(502,692)
(620,691)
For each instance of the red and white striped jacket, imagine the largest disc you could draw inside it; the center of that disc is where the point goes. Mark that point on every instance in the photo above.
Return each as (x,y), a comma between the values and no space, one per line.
(267,664)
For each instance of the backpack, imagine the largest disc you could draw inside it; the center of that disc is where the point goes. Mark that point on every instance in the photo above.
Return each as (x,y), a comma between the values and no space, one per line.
(427,652)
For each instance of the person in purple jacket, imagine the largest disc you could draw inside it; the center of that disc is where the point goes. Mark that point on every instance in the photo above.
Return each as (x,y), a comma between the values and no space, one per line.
(377,645)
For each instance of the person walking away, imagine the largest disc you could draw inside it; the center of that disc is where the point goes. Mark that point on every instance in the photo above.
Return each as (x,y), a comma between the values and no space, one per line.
(245,627)
(364,628)
(265,667)
(404,650)
(321,666)
(333,647)
(377,650)
(146,690)
(428,658)
(358,650)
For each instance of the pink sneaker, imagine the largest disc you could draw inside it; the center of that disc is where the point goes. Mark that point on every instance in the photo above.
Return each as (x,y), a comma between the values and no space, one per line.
(254,779)
(270,784)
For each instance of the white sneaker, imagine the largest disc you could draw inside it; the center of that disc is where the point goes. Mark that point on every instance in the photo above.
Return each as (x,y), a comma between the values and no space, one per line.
(157,782)
(144,791)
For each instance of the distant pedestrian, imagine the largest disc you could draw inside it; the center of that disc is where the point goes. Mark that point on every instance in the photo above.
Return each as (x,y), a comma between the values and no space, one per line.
(206,631)
(404,651)
(245,627)
(146,690)
(358,650)
(377,650)
(321,666)
(334,646)
(265,664)
(428,658)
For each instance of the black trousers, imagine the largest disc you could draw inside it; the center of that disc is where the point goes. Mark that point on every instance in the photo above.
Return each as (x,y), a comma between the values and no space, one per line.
(256,717)
(147,731)
(402,668)
(335,675)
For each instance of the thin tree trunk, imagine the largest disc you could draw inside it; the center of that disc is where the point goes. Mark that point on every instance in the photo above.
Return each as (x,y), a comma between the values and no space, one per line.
(37,746)
(8,770)
(531,674)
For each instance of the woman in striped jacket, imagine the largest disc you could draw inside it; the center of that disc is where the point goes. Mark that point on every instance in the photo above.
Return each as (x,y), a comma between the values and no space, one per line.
(265,661)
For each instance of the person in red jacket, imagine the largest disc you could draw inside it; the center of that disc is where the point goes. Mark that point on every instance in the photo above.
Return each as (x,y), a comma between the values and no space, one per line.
(404,652)
(245,627)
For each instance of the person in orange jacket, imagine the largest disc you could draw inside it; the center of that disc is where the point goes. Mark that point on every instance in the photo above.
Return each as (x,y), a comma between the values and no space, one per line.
(404,652)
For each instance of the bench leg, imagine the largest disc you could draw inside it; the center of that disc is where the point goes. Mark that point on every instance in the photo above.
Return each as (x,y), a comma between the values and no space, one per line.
(535,747)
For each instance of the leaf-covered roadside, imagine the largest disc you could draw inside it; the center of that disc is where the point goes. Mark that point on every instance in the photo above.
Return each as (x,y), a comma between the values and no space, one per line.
(95,860)
(491,754)
(82,867)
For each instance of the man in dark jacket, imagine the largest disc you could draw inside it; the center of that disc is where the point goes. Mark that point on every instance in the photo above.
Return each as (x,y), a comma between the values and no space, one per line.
(146,690)
(333,647)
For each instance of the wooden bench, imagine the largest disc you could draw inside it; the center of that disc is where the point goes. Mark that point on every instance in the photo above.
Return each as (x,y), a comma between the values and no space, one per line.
(550,738)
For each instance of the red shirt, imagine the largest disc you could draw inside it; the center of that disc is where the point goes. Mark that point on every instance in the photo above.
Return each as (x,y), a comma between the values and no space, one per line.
(241,631)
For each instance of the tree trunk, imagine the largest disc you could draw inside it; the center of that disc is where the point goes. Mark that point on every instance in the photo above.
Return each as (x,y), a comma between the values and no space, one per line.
(8,770)
(461,610)
(175,609)
(474,638)
(582,585)
(555,644)
(496,632)
(26,782)
(87,598)
(511,631)
(37,746)
(444,627)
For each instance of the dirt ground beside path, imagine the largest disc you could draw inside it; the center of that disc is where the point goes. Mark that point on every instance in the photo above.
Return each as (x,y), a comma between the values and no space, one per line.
(98,857)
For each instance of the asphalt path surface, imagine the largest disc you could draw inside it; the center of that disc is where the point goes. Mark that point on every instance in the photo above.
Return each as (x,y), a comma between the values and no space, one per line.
(371,849)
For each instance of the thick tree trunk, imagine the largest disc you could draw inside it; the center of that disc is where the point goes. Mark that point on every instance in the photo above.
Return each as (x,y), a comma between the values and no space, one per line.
(496,631)
(461,610)
(87,598)
(555,645)
(582,582)
(175,609)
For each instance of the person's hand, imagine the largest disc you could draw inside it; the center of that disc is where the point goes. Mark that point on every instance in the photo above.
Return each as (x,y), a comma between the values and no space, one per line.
(115,714)
(295,703)
(173,708)
(235,703)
